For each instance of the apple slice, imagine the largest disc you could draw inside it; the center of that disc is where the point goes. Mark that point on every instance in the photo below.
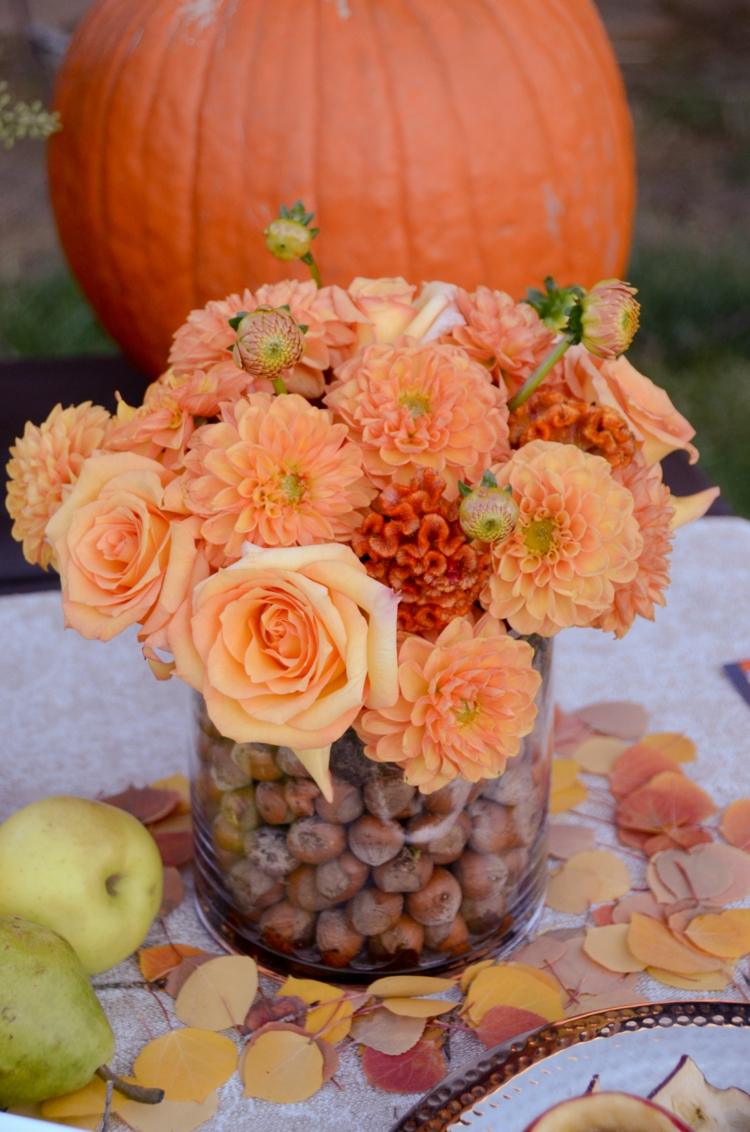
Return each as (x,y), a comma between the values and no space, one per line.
(688,1094)
(607,1112)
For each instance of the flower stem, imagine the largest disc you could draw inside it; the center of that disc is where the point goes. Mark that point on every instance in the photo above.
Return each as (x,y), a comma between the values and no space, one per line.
(278,385)
(314,269)
(532,383)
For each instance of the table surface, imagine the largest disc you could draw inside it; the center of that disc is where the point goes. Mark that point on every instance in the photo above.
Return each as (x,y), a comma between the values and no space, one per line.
(81,717)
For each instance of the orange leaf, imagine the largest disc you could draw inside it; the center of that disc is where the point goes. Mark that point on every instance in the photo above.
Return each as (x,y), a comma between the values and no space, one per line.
(669,799)
(564,774)
(735,824)
(726,934)
(597,753)
(331,1019)
(568,798)
(635,767)
(652,942)
(679,748)
(187,1064)
(686,837)
(503,985)
(180,784)
(708,980)
(168,1116)
(156,962)
(603,915)
(566,840)
(608,946)
(502,1023)
(145,803)
(588,878)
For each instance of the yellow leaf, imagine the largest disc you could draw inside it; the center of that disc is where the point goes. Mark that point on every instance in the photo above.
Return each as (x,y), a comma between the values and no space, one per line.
(331,1020)
(187,1064)
(597,753)
(417,1007)
(726,934)
(219,993)
(281,1066)
(180,784)
(564,773)
(168,1116)
(707,980)
(587,878)
(470,973)
(88,1101)
(611,870)
(651,941)
(407,985)
(673,744)
(608,946)
(537,973)
(568,798)
(502,985)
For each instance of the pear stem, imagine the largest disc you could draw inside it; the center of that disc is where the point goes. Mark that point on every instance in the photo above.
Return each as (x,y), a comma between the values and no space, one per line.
(133,1092)
(540,373)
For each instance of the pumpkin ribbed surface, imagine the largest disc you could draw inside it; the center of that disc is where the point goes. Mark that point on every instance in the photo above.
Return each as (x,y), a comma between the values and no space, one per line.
(469,140)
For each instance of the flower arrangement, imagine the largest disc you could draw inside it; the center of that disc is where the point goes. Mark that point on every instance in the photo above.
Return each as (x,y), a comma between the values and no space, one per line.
(344,507)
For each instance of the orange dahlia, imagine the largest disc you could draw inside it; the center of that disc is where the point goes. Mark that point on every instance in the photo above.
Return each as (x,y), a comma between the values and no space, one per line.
(576,539)
(507,337)
(277,472)
(204,341)
(653,512)
(465,702)
(44,463)
(421,406)
(202,392)
(159,428)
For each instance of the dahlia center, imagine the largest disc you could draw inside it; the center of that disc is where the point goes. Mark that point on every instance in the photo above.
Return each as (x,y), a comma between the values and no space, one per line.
(539,536)
(292,487)
(416,402)
(467,713)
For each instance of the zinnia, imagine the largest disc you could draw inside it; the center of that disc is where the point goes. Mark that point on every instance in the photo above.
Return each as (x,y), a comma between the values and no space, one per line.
(465,703)
(421,406)
(576,539)
(44,463)
(277,472)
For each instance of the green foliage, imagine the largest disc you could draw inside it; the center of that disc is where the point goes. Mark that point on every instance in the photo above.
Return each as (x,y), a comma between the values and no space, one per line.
(48,317)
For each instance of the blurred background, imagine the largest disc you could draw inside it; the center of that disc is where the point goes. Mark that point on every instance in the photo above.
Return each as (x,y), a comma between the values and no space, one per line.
(685,65)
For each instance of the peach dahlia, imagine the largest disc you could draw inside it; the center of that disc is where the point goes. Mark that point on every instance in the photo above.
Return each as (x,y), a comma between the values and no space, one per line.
(505,336)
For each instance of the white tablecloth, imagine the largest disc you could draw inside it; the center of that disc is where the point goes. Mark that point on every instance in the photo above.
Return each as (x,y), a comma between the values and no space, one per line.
(81,717)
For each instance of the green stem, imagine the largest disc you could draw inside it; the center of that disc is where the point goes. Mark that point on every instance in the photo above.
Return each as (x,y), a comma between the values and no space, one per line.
(278,385)
(532,383)
(314,270)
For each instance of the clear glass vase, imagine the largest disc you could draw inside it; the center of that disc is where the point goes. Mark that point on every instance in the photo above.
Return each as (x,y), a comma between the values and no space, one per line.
(381,879)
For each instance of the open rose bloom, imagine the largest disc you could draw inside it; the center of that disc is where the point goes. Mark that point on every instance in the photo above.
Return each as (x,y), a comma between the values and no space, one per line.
(300,547)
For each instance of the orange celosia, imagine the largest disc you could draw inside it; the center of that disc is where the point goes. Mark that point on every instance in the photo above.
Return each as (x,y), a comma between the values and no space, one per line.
(411,406)
(576,540)
(507,337)
(465,703)
(653,513)
(277,472)
(44,462)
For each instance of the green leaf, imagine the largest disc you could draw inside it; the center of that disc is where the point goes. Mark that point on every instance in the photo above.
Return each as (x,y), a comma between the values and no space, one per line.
(236,319)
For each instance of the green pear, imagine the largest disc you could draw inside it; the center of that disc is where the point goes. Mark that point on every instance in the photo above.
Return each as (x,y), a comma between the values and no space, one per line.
(54,1034)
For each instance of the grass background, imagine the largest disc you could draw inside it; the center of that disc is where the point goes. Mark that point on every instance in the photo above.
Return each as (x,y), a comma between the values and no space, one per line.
(685,68)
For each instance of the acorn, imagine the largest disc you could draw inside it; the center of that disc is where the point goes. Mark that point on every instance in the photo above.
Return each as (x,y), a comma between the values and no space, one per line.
(438,902)
(286,927)
(227,835)
(493,828)
(267,848)
(514,784)
(290,764)
(408,871)
(302,889)
(373,912)
(238,807)
(481,874)
(487,512)
(252,888)
(257,761)
(272,805)
(226,774)
(301,795)
(314,841)
(337,940)
(451,939)
(388,797)
(342,878)
(449,799)
(483,914)
(375,840)
(450,843)
(406,936)
(345,806)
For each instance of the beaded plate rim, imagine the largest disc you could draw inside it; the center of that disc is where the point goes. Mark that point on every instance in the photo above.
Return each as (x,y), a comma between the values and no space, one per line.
(442,1108)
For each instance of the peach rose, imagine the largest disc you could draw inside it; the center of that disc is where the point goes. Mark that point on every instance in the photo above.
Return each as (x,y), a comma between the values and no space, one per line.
(287,645)
(645,406)
(122,554)
(387,306)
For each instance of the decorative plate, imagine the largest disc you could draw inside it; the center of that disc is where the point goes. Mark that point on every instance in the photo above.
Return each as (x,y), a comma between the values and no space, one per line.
(632,1048)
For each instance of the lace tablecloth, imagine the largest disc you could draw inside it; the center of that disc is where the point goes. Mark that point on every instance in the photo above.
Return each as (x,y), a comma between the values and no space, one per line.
(81,717)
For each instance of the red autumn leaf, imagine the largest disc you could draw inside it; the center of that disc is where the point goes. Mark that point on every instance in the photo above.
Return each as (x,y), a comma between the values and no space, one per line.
(735,824)
(668,800)
(603,915)
(635,767)
(501,1023)
(284,1007)
(419,1069)
(632,839)
(176,848)
(330,1058)
(173,893)
(681,838)
(145,803)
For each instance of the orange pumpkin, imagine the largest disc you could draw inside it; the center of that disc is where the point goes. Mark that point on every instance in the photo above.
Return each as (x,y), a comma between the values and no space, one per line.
(471,140)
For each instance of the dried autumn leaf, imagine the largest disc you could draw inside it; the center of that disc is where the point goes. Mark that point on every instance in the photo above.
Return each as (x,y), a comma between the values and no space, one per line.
(652,942)
(502,985)
(87,1101)
(156,962)
(173,892)
(417,1007)
(176,848)
(560,801)
(282,1008)
(177,977)
(502,1023)
(569,732)
(180,784)
(219,993)
(705,858)
(735,824)
(565,840)
(608,946)
(331,1019)
(580,975)
(643,902)
(621,718)
(602,915)
(404,986)
(685,837)
(635,767)
(564,774)
(418,1070)
(168,1116)
(469,974)
(386,1032)
(669,799)
(282,1065)
(598,753)
(706,981)
(144,802)
(188,1064)
(726,934)
(175,823)
(673,743)
(666,876)
(588,878)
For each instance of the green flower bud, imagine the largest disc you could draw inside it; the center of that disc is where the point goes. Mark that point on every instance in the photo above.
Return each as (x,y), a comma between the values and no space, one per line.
(268,342)
(288,239)
(488,512)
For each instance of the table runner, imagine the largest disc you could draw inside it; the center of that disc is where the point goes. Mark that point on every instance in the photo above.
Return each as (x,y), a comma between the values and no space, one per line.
(81,717)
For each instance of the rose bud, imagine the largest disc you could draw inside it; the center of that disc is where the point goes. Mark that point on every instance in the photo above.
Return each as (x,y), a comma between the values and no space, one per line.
(286,928)
(300,797)
(314,841)
(375,840)
(388,797)
(610,314)
(267,848)
(372,911)
(405,935)
(272,805)
(481,874)
(438,902)
(268,342)
(487,512)
(451,938)
(345,806)
(302,889)
(336,939)
(407,872)
(342,878)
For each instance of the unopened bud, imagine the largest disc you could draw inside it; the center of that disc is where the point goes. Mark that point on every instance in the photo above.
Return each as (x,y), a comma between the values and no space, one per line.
(610,314)
(487,512)
(268,342)
(288,239)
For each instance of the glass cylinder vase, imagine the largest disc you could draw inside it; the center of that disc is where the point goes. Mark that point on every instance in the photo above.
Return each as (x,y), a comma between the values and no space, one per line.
(380,879)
